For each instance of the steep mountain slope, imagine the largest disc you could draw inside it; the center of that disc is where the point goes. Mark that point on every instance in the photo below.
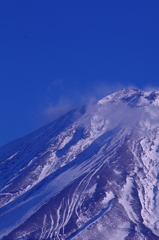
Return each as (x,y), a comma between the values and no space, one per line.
(91,174)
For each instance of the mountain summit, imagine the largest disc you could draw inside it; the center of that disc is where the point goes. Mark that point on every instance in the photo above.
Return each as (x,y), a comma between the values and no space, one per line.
(92,174)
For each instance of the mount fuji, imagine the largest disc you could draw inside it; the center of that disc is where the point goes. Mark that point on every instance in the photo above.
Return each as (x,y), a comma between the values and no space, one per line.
(92,174)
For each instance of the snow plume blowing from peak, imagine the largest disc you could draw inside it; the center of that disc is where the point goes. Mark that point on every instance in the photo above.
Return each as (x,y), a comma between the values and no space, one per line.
(90,174)
(125,107)
(111,115)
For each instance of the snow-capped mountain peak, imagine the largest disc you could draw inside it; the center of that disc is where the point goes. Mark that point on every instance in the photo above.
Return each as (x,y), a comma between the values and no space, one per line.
(91,174)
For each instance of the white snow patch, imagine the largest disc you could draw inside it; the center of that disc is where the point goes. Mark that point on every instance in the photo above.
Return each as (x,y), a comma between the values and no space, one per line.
(122,231)
(11,156)
(92,189)
(109,196)
(126,199)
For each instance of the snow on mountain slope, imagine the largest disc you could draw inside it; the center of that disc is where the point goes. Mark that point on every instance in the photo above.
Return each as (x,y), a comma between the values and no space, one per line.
(91,174)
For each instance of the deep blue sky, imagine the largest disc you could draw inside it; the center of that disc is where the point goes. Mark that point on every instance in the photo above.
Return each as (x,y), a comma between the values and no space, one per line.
(56,54)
